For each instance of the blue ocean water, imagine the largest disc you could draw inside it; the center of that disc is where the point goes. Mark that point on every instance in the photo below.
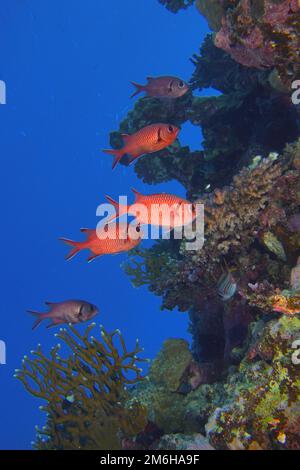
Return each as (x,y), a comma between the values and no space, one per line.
(67,67)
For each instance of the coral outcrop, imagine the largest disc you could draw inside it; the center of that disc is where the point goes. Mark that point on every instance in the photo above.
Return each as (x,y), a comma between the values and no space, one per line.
(256,407)
(262,407)
(262,34)
(237,218)
(176,396)
(233,124)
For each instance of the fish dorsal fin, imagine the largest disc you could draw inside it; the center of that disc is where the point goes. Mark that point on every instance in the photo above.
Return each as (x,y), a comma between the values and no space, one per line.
(50,303)
(87,231)
(125,137)
(150,79)
(136,193)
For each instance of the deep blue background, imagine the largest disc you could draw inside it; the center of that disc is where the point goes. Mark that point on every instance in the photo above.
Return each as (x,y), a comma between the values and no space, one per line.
(67,65)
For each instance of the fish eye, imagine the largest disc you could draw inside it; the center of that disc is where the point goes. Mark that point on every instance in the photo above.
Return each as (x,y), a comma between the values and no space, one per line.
(170,129)
(181,84)
(138,229)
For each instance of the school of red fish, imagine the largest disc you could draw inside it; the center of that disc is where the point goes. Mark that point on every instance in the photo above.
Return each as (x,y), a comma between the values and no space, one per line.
(161,210)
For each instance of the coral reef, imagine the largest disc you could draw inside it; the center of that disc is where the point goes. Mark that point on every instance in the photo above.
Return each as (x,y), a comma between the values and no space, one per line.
(255,407)
(236,218)
(85,393)
(261,34)
(183,442)
(176,396)
(233,124)
(213,10)
(237,386)
(262,407)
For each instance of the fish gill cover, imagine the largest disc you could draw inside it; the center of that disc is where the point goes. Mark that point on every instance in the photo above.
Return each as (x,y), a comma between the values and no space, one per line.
(237,387)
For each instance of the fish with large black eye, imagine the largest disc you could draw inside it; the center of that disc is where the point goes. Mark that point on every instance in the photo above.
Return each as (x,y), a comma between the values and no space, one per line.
(147,140)
(69,311)
(162,87)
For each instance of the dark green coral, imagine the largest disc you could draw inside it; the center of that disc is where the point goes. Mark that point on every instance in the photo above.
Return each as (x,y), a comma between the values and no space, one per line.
(176,5)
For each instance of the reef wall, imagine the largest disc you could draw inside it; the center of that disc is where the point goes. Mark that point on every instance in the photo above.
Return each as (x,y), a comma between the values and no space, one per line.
(236,386)
(240,388)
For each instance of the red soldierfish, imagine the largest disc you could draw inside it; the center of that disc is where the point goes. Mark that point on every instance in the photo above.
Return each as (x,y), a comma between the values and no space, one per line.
(163,210)
(109,239)
(69,311)
(162,87)
(147,140)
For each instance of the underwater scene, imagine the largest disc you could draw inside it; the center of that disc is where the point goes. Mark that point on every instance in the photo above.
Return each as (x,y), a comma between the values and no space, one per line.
(150,225)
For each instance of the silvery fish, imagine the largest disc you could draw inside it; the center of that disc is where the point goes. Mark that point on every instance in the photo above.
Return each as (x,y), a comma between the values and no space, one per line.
(162,87)
(227,286)
(69,311)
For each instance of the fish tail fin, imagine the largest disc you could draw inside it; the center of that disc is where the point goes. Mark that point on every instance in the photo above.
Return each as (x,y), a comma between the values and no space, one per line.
(117,153)
(77,246)
(121,209)
(139,89)
(39,319)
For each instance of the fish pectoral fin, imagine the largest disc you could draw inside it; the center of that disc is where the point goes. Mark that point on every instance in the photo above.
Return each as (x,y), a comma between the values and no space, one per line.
(159,137)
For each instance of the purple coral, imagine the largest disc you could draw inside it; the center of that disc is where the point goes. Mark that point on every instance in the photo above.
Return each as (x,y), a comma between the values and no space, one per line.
(264,39)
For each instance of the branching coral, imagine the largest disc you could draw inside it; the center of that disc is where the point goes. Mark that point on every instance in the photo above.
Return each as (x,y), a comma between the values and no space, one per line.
(232,226)
(85,393)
